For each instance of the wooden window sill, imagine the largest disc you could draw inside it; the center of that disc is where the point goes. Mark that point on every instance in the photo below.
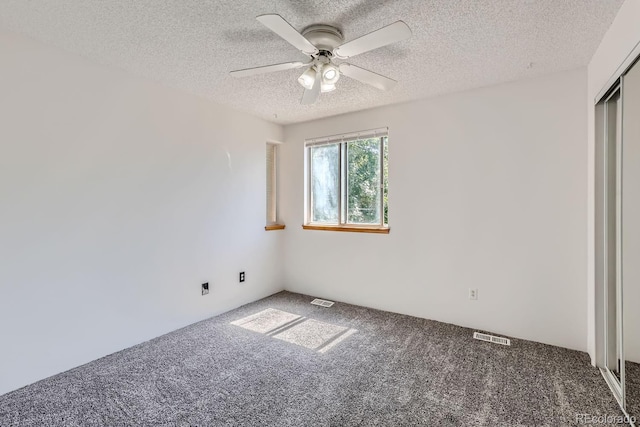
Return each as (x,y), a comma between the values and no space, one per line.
(354,229)
(274,227)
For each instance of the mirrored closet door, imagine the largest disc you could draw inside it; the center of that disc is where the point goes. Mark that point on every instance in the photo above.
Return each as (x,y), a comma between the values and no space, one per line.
(618,239)
(612,151)
(630,292)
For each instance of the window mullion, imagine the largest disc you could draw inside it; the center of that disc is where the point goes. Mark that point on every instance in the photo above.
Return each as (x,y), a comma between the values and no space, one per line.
(309,186)
(381,181)
(341,186)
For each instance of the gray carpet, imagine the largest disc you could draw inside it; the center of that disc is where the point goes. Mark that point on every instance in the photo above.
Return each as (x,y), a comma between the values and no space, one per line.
(632,384)
(339,366)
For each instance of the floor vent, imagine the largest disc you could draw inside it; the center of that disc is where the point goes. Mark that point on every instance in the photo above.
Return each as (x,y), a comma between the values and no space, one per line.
(322,302)
(491,338)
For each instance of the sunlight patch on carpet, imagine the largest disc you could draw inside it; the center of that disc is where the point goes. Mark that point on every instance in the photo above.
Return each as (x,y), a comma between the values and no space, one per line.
(311,333)
(296,329)
(266,320)
(329,345)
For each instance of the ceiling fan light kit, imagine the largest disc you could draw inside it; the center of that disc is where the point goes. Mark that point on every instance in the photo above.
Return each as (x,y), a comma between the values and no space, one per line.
(307,78)
(330,74)
(324,43)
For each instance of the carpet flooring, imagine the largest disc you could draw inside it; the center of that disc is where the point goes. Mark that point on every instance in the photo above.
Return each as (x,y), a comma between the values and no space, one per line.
(632,383)
(281,361)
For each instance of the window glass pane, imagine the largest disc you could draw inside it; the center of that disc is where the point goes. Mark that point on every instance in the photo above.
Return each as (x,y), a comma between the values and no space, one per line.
(363,181)
(325,184)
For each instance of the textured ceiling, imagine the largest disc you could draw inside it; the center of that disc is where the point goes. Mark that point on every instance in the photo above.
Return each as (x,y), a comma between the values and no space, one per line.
(193,44)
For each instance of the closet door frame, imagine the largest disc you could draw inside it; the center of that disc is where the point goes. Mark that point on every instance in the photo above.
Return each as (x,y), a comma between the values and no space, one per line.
(614,86)
(608,240)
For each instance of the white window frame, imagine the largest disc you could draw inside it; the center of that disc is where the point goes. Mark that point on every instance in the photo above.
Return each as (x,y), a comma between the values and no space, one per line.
(343,140)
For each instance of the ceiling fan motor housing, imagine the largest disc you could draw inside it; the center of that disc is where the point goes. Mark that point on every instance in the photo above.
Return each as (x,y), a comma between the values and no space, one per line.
(324,37)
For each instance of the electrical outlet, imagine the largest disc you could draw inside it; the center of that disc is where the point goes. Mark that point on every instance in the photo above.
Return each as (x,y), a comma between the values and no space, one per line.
(241,276)
(473,294)
(205,288)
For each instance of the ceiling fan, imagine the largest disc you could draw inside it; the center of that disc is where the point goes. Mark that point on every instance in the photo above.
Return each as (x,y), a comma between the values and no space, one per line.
(324,44)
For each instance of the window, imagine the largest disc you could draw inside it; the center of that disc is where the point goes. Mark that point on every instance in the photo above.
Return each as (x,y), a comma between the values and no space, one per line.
(272,188)
(347,182)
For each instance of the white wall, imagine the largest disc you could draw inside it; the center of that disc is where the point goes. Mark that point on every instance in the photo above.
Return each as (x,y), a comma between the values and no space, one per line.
(486,191)
(118,198)
(617,44)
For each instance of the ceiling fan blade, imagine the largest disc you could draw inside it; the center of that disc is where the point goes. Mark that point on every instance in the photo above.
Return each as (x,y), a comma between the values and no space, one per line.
(267,69)
(278,25)
(310,96)
(392,33)
(366,76)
